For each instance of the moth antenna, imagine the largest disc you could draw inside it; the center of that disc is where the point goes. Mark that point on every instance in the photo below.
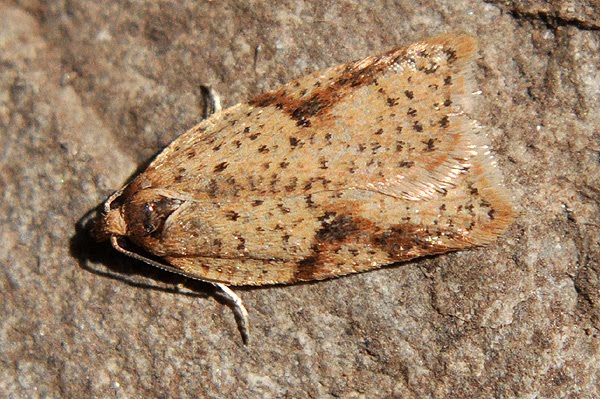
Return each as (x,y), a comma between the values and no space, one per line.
(110,199)
(212,101)
(240,312)
(257,51)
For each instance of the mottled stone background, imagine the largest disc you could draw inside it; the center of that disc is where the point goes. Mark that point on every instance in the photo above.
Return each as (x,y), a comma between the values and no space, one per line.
(90,90)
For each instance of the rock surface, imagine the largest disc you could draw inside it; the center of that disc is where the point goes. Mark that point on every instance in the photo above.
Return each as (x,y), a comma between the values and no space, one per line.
(89,91)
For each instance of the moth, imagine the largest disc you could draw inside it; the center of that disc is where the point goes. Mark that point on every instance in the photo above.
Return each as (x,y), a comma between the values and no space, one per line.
(344,170)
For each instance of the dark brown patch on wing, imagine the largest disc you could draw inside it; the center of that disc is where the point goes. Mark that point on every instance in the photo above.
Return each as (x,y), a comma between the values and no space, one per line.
(336,230)
(307,268)
(324,97)
(407,241)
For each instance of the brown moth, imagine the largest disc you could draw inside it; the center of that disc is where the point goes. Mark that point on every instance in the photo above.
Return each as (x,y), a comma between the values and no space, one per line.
(344,170)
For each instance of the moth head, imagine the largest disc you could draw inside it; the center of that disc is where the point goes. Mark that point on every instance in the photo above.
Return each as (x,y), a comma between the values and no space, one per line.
(138,216)
(109,224)
(135,214)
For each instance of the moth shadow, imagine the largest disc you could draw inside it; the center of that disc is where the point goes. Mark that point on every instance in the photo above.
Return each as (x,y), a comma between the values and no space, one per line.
(102,260)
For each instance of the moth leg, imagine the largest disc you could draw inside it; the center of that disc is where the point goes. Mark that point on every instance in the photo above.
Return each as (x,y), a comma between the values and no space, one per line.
(240,312)
(212,101)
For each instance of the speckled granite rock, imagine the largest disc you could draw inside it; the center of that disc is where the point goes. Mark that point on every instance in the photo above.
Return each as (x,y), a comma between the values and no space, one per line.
(90,90)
